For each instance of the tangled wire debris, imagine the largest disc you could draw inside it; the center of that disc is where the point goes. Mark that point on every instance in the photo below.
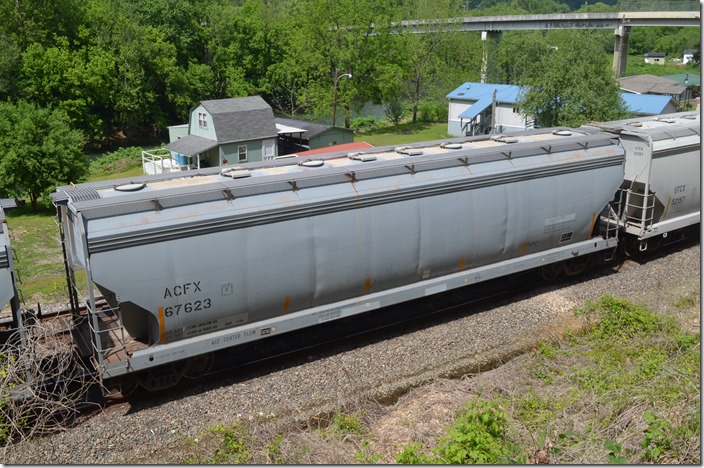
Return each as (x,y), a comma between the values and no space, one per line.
(41,384)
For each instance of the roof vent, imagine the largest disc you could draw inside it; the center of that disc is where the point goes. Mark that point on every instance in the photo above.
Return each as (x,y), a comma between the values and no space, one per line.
(408,151)
(451,146)
(236,172)
(362,157)
(658,119)
(504,139)
(312,163)
(129,187)
(562,133)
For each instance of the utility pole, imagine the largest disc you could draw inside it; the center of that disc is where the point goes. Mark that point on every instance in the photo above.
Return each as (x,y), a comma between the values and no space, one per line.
(334,94)
(493,112)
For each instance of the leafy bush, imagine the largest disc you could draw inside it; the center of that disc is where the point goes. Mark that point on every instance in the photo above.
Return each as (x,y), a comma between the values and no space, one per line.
(233,447)
(412,454)
(614,455)
(364,123)
(394,110)
(621,319)
(432,112)
(349,424)
(478,435)
(656,440)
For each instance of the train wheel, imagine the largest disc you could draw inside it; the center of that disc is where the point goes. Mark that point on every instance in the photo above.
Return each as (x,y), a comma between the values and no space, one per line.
(654,243)
(577,265)
(122,387)
(162,377)
(631,246)
(198,366)
(550,272)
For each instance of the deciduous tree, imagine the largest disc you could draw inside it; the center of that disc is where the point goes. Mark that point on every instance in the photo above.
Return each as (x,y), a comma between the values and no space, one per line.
(571,85)
(432,62)
(334,37)
(40,151)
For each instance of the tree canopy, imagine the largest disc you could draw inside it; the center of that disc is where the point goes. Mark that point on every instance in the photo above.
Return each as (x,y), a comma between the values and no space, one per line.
(571,84)
(134,67)
(40,151)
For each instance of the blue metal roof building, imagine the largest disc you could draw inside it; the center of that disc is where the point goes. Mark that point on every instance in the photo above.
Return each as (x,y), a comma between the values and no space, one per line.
(470,110)
(649,104)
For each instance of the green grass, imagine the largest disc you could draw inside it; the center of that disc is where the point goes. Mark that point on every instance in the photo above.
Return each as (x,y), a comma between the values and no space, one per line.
(404,133)
(35,236)
(34,239)
(634,368)
(636,66)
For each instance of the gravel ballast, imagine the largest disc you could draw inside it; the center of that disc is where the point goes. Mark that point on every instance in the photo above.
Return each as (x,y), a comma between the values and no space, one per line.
(145,431)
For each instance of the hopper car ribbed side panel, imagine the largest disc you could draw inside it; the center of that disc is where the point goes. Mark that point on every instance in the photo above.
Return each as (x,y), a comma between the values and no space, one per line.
(276,257)
(189,257)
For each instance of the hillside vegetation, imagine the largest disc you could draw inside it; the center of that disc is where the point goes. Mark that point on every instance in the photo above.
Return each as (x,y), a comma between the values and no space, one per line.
(124,68)
(623,388)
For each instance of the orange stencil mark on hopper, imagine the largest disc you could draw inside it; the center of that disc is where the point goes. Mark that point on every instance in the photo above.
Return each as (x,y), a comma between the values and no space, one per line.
(162,325)
(593,221)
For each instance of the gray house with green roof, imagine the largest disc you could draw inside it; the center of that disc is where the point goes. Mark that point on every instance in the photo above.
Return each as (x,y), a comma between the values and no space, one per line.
(219,132)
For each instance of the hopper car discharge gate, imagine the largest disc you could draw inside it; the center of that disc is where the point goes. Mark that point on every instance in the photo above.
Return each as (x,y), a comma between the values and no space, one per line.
(397,219)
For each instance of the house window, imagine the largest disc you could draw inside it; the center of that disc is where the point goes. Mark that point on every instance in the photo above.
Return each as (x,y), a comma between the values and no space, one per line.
(515,110)
(202,120)
(242,150)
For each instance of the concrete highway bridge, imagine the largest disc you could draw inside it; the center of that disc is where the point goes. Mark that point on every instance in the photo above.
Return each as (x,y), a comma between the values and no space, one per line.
(492,27)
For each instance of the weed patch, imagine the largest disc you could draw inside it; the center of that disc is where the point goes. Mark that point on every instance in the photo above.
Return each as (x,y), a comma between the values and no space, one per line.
(478,435)
(231,446)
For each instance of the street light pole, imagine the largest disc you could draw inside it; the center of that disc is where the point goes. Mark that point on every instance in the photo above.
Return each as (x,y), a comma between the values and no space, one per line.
(334,95)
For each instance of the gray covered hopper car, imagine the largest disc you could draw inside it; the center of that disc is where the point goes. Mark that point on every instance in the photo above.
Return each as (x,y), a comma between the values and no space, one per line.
(664,162)
(194,262)
(8,285)
(13,316)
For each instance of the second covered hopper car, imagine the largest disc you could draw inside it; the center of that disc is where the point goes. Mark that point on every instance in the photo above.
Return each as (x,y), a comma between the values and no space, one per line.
(661,190)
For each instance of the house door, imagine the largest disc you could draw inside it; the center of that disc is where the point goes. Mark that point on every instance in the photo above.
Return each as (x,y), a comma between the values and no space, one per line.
(268,150)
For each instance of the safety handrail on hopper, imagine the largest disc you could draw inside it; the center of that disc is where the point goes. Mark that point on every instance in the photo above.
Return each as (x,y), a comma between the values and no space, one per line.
(644,211)
(610,226)
(108,343)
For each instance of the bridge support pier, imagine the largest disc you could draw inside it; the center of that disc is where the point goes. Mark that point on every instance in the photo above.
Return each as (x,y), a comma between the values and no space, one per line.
(622,34)
(490,47)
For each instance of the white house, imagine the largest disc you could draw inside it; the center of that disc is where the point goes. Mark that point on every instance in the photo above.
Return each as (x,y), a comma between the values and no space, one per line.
(472,105)
(688,56)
